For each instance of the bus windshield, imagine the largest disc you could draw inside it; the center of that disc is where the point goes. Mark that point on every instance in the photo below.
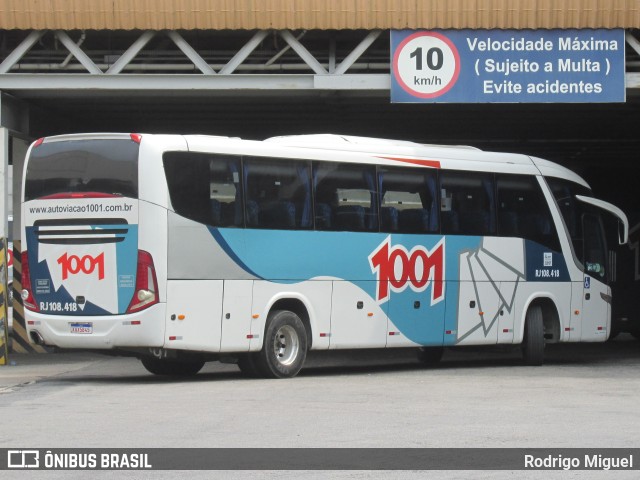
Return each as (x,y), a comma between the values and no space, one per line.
(103,166)
(584,226)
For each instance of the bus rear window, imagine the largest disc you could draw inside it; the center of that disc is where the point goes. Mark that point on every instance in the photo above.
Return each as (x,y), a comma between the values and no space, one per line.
(102,166)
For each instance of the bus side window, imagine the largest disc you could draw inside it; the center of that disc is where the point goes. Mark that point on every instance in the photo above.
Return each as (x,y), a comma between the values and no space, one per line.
(523,211)
(225,191)
(205,188)
(408,200)
(278,193)
(467,203)
(345,197)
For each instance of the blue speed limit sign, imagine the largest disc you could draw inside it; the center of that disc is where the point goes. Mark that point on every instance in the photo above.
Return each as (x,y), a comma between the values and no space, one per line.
(426,64)
(508,66)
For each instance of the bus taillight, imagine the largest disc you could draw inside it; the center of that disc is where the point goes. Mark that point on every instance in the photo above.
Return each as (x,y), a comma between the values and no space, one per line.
(27,296)
(146,293)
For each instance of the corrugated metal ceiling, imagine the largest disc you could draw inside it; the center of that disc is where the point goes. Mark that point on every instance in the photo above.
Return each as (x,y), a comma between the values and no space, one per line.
(316,14)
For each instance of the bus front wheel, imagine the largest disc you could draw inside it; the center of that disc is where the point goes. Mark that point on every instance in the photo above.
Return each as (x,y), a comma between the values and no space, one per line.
(533,342)
(285,345)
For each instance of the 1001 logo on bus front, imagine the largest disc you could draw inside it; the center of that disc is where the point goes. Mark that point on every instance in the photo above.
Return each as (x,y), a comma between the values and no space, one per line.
(397,268)
(72,265)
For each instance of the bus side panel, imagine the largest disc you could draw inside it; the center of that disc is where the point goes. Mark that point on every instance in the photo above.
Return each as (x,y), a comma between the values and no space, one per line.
(507,313)
(479,307)
(487,279)
(196,251)
(194,312)
(236,316)
(357,321)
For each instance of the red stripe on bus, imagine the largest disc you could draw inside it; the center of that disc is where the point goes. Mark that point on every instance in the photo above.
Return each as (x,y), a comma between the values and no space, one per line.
(415,161)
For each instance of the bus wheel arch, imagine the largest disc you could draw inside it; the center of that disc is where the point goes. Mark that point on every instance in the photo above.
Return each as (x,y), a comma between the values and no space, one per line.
(541,326)
(298,307)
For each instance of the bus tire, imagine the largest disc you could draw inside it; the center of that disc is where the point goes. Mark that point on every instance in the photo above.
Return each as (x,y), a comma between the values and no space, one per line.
(430,356)
(533,342)
(172,367)
(285,346)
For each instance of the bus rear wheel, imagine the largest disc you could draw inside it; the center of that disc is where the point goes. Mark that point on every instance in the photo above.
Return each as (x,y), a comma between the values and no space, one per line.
(164,366)
(285,346)
(533,342)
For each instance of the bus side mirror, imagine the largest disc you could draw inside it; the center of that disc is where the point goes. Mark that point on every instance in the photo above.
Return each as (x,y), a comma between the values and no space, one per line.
(623,233)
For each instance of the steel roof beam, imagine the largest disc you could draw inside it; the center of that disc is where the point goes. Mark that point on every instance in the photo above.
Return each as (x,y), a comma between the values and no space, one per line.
(77,52)
(19,52)
(191,54)
(75,83)
(131,52)
(303,53)
(633,41)
(357,52)
(244,52)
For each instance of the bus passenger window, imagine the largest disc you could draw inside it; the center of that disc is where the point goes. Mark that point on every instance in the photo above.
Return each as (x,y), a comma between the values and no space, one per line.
(205,188)
(345,197)
(278,193)
(225,193)
(408,200)
(467,203)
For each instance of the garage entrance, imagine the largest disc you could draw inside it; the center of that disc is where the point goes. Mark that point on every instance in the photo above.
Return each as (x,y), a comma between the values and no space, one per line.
(258,84)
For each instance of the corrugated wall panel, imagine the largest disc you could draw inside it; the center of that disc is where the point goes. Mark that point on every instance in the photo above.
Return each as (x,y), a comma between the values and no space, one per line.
(316,14)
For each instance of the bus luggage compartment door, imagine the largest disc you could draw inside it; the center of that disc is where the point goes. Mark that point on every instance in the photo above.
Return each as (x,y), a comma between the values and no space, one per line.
(194,312)
(236,316)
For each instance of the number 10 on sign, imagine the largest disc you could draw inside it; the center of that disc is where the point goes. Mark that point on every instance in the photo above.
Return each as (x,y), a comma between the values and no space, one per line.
(426,64)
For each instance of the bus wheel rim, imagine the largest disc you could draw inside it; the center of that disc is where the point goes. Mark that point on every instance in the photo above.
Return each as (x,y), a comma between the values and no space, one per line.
(286,345)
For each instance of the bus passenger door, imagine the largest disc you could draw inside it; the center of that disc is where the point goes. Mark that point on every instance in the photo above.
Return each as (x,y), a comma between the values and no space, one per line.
(357,321)
(236,316)
(596,298)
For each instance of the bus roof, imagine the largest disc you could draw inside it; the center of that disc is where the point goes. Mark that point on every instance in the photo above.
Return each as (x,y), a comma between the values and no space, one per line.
(384,151)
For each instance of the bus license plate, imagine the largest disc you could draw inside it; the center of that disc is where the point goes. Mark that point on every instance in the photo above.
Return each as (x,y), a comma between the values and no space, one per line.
(81,327)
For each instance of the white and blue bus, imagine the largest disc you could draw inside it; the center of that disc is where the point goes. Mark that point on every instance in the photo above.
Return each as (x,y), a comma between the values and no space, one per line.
(184,249)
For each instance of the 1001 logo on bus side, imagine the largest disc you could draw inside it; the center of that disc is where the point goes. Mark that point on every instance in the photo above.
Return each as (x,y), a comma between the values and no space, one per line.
(396,268)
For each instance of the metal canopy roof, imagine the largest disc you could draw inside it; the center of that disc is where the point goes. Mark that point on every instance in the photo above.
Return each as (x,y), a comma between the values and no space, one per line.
(316,14)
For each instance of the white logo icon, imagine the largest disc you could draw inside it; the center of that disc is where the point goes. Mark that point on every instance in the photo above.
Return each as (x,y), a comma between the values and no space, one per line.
(23,459)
